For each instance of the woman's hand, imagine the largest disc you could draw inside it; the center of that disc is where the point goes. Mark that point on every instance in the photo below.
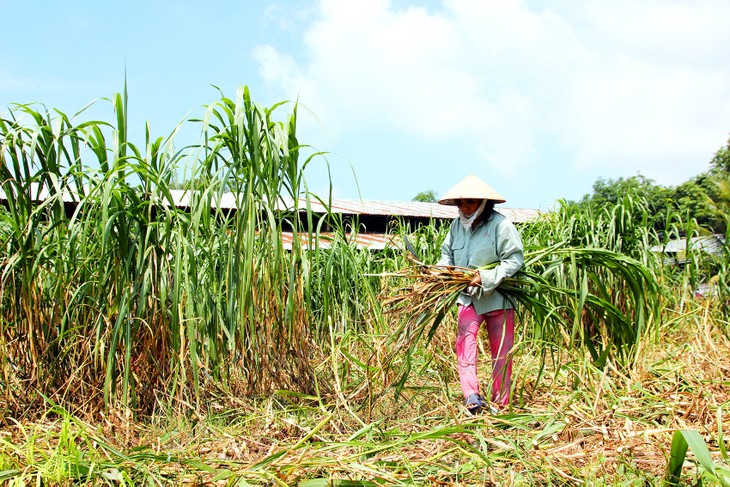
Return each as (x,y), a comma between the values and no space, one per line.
(476,280)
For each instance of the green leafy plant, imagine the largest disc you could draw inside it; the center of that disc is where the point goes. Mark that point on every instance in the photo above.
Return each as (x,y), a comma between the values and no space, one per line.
(691,440)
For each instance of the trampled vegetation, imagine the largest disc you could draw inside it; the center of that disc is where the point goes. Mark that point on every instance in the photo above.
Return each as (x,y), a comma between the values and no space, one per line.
(142,342)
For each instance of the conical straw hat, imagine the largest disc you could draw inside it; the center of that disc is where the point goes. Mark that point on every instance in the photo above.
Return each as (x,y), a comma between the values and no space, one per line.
(471,187)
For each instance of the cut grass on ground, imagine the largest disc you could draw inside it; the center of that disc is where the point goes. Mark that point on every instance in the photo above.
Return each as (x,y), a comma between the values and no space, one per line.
(576,425)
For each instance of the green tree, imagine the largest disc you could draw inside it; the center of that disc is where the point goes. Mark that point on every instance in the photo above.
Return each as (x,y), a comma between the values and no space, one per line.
(428,196)
(704,198)
(722,200)
(719,181)
(721,160)
(610,192)
(694,199)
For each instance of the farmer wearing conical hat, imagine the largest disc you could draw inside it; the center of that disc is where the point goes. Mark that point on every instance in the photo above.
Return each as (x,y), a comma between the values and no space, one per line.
(478,237)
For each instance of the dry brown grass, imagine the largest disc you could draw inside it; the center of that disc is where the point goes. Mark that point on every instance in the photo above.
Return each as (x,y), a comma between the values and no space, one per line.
(575,425)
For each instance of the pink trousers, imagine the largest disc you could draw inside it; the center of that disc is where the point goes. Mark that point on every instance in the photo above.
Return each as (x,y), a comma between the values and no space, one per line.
(501,330)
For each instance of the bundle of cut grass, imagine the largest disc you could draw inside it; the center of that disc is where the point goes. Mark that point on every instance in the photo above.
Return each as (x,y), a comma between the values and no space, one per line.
(429,288)
(598,298)
(419,306)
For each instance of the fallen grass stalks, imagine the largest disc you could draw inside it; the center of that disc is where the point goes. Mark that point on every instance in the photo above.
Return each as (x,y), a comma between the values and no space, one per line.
(567,434)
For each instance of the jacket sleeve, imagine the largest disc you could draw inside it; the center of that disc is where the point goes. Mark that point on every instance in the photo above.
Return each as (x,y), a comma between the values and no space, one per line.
(511,257)
(447,254)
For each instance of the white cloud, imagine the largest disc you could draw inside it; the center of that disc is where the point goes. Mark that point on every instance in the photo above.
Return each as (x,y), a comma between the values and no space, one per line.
(627,113)
(639,86)
(675,31)
(372,67)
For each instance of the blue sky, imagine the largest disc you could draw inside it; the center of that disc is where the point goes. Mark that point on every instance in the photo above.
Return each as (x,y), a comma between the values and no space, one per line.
(538,98)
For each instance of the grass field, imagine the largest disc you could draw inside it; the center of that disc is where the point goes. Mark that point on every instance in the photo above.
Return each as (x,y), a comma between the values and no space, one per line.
(576,425)
(146,344)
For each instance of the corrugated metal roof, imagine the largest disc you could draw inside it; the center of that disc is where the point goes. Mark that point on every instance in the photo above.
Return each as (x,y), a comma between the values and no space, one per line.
(412,209)
(370,241)
(712,244)
(394,208)
(42,195)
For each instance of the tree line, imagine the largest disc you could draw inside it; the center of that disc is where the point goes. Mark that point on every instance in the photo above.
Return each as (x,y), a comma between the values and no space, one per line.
(704,198)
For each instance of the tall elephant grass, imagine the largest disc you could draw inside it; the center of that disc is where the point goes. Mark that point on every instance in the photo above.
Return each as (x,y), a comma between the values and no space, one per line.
(135,291)
(127,299)
(627,228)
(42,308)
(255,309)
(124,300)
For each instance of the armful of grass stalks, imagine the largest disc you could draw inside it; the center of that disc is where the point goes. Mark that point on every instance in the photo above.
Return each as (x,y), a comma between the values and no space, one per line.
(419,307)
(430,291)
(602,299)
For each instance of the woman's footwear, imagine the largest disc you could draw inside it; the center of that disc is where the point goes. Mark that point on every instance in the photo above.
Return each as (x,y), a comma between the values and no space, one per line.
(475,403)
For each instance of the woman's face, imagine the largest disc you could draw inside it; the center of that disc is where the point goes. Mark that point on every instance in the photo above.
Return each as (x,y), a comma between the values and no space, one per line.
(468,206)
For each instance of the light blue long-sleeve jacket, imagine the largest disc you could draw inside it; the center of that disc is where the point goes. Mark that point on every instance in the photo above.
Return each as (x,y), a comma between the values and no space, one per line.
(496,240)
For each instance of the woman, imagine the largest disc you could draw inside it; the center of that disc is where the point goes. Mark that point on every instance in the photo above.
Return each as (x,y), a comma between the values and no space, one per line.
(481,236)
